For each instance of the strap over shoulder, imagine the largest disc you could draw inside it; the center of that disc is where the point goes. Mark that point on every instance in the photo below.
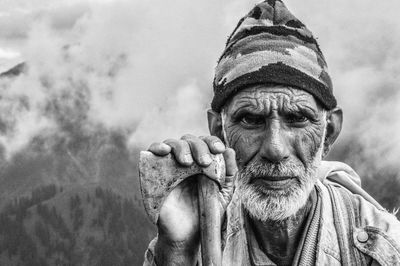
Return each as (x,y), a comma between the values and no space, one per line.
(345,176)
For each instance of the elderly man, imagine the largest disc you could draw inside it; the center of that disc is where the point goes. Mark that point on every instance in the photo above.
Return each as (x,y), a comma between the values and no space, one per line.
(274,118)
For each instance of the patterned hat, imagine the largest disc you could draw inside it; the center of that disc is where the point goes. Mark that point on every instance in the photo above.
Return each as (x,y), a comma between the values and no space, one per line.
(270,45)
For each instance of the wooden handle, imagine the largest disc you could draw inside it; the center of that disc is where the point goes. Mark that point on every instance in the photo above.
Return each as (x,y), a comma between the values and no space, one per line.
(210,222)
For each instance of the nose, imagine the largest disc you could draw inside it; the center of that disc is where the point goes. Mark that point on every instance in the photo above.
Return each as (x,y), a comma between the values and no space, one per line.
(274,148)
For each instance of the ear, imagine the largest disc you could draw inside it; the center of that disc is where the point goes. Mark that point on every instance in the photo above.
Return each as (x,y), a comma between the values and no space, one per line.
(215,124)
(334,121)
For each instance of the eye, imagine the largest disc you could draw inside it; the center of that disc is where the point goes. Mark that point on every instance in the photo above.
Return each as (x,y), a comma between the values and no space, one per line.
(252,120)
(294,118)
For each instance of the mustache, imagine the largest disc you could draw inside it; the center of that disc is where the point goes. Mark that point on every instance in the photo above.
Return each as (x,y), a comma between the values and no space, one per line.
(258,169)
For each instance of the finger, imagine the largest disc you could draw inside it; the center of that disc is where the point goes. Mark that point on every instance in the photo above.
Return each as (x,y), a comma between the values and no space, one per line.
(200,151)
(215,145)
(181,151)
(230,162)
(160,149)
(231,171)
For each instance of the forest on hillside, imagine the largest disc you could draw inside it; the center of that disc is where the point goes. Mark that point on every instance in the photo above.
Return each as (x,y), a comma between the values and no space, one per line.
(57,226)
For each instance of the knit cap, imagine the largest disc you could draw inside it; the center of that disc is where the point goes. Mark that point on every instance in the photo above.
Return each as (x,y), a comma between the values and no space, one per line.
(270,45)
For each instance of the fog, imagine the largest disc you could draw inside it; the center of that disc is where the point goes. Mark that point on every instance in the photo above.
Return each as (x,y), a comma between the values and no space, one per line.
(146,67)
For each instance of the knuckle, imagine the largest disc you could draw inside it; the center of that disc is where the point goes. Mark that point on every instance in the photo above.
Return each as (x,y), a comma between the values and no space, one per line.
(187,137)
(201,146)
(196,143)
(204,139)
(154,145)
(214,138)
(209,139)
(170,141)
(159,148)
(184,147)
(230,151)
(176,145)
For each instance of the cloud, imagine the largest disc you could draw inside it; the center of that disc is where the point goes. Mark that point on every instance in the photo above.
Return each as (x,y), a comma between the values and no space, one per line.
(147,66)
(17,18)
(8,54)
(183,112)
(118,63)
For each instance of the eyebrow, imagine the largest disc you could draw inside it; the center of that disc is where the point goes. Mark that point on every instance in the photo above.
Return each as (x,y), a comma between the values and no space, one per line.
(303,108)
(248,107)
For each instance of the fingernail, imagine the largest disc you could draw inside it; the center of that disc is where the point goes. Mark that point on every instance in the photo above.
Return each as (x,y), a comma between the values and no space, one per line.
(205,159)
(218,145)
(187,158)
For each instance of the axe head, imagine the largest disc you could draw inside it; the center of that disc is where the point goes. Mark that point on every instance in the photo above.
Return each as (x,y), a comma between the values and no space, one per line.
(159,175)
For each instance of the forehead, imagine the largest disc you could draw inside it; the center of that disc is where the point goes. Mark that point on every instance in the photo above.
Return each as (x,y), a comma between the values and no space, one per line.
(269,96)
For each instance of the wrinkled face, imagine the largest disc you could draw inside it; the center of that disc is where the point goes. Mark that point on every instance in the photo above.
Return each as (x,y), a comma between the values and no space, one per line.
(277,133)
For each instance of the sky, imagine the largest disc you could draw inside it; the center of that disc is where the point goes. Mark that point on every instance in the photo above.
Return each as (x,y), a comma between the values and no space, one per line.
(147,66)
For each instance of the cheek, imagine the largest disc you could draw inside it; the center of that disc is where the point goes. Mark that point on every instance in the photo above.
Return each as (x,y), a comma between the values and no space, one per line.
(246,144)
(307,143)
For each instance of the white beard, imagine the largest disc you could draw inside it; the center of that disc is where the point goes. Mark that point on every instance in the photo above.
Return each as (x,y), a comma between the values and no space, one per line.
(266,204)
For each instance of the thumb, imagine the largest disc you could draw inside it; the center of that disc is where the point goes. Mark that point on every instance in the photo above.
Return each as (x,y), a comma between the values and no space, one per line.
(231,170)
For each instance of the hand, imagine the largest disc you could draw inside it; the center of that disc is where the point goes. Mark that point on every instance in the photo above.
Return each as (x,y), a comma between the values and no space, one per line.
(178,223)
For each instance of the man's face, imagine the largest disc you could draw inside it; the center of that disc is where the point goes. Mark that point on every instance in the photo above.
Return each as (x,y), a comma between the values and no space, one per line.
(277,133)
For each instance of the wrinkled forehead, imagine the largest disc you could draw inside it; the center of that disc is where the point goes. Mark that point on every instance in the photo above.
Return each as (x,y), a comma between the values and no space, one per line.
(273,97)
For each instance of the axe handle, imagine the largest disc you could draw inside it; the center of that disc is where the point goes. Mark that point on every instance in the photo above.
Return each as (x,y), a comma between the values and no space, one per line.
(210,221)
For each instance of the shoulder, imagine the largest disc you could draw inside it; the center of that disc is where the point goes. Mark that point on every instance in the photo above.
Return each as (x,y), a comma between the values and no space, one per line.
(378,231)
(374,231)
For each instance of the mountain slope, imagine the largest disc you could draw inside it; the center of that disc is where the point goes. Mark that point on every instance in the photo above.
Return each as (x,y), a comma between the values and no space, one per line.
(85,225)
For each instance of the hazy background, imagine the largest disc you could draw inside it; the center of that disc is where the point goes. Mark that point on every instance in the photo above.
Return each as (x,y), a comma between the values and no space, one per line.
(122,74)
(147,66)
